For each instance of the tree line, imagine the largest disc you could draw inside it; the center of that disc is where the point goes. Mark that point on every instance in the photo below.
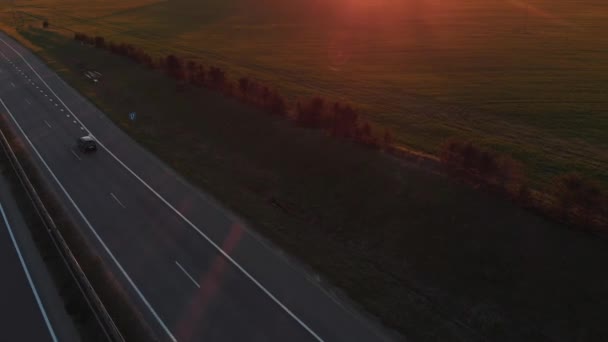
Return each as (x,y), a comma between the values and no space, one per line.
(573,198)
(339,120)
(569,198)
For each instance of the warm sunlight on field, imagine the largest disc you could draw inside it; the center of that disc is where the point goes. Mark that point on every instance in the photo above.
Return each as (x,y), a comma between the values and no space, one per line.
(379,12)
(529,74)
(442,165)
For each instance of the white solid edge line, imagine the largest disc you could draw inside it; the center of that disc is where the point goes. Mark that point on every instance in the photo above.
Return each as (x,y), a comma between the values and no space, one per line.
(187,274)
(86,221)
(29,277)
(177,212)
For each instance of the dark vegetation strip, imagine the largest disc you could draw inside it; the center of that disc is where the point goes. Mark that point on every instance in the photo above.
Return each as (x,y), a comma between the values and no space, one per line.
(568,198)
(130,325)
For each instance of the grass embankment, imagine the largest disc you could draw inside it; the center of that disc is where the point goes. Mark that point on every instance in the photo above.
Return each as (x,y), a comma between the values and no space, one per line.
(123,312)
(527,79)
(433,259)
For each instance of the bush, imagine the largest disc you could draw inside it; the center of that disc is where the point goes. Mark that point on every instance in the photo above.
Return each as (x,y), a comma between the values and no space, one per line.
(192,68)
(100,42)
(148,61)
(112,47)
(80,37)
(481,164)
(217,78)
(579,199)
(228,88)
(174,67)
(309,113)
(200,76)
(122,49)
(365,136)
(524,196)
(343,121)
(244,86)
(277,104)
(388,140)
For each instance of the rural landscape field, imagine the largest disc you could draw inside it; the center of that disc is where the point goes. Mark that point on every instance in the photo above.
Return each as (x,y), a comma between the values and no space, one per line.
(526,78)
(425,245)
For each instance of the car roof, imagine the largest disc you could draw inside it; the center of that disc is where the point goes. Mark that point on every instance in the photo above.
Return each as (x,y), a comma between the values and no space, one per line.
(86,138)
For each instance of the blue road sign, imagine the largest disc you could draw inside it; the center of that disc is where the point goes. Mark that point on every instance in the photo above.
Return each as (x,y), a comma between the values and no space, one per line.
(132,116)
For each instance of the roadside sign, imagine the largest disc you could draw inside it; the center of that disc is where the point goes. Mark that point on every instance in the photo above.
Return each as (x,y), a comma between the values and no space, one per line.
(132,116)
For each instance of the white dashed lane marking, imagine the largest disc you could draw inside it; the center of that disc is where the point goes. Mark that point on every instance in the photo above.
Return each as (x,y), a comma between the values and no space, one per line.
(76,155)
(117,200)
(187,274)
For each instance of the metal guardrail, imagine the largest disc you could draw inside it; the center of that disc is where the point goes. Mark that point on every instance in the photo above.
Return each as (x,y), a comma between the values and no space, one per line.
(97,307)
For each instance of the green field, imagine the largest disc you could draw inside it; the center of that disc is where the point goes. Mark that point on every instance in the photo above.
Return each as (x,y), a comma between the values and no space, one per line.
(530,80)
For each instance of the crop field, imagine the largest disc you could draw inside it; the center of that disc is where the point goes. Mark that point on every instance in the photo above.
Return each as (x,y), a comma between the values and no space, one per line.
(524,77)
(430,257)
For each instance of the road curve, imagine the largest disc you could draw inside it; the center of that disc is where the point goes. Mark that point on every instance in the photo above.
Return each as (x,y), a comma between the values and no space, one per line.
(196,271)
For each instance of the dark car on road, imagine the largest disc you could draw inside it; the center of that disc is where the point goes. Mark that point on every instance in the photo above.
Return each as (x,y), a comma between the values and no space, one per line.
(87,144)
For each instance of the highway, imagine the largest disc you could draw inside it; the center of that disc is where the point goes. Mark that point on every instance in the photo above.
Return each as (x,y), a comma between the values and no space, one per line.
(195,270)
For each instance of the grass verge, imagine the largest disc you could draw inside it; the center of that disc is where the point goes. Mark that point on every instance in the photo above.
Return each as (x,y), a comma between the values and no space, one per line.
(430,257)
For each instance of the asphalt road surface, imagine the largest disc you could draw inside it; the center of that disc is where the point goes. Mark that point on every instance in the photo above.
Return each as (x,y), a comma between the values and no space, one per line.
(196,271)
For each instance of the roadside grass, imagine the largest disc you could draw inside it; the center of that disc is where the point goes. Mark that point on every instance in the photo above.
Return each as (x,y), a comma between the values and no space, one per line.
(526,81)
(431,258)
